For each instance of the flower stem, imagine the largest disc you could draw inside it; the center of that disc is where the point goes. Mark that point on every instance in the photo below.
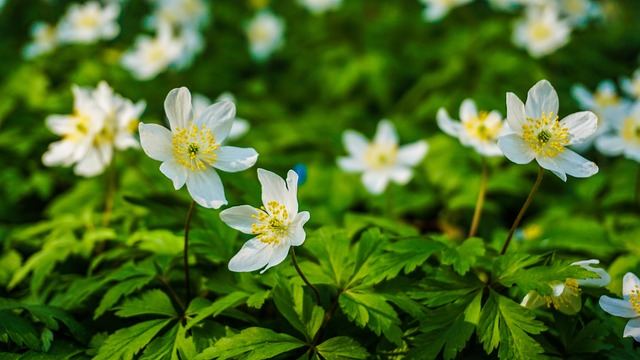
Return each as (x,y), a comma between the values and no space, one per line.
(637,194)
(480,202)
(109,196)
(186,250)
(522,211)
(295,263)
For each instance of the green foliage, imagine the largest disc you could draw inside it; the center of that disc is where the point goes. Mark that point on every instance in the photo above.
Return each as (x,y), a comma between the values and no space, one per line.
(341,347)
(254,343)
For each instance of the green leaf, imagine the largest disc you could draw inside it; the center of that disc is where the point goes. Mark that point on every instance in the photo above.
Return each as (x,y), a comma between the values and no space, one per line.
(298,308)
(464,256)
(444,286)
(50,316)
(173,345)
(331,247)
(155,302)
(366,308)
(254,343)
(404,255)
(19,330)
(228,301)
(157,241)
(120,290)
(127,342)
(368,245)
(342,347)
(538,278)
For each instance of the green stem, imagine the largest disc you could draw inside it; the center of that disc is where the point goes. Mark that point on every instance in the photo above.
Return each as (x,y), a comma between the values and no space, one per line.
(480,201)
(637,194)
(186,250)
(304,278)
(522,211)
(110,194)
(165,282)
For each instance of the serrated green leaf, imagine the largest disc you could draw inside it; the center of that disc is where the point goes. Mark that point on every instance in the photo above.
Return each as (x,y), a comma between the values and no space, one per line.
(157,241)
(120,290)
(253,343)
(298,308)
(464,256)
(19,330)
(331,247)
(173,345)
(342,347)
(404,255)
(444,286)
(228,301)
(127,342)
(369,309)
(50,316)
(155,302)
(368,244)
(538,278)
(10,261)
(256,300)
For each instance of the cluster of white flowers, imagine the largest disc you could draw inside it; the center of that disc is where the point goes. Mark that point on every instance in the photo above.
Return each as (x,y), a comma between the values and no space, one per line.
(81,24)
(317,7)
(101,121)
(265,33)
(618,130)
(178,39)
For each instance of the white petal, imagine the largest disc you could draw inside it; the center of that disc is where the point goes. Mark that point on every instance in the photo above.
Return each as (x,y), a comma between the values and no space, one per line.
(156,141)
(292,195)
(610,145)
(177,105)
(218,118)
(468,110)
(583,96)
(354,142)
(533,300)
(375,181)
(630,283)
(515,113)
(446,124)
(254,255)
(386,133)
(617,307)
(174,171)
(401,175)
(60,124)
(632,329)
(412,154)
(558,289)
(603,278)
(572,164)
(515,149)
(62,153)
(351,165)
(233,159)
(239,127)
(551,164)
(580,125)
(240,218)
(90,165)
(273,187)
(280,252)
(296,228)
(206,188)
(541,98)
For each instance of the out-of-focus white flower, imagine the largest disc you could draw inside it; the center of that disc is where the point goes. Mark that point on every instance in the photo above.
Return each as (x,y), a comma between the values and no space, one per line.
(566,295)
(277,225)
(381,160)
(151,56)
(578,12)
(627,307)
(89,22)
(625,138)
(192,44)
(320,6)
(542,31)
(44,40)
(122,114)
(631,87)
(239,127)
(265,33)
(479,130)
(539,135)
(191,151)
(437,9)
(180,13)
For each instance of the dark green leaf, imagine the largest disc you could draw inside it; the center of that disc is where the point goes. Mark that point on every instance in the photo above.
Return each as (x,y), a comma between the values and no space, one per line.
(253,343)
(127,342)
(342,347)
(155,302)
(369,309)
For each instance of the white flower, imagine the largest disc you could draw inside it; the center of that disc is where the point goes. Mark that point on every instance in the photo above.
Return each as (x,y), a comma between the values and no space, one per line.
(566,295)
(179,13)
(479,130)
(151,56)
(89,22)
(382,160)
(264,32)
(277,225)
(578,12)
(437,9)
(627,307)
(625,138)
(192,148)
(239,127)
(192,44)
(542,31)
(45,39)
(320,6)
(604,102)
(631,86)
(538,133)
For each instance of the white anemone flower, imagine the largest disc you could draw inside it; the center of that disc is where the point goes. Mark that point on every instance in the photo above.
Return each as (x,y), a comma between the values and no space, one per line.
(191,151)
(542,31)
(320,6)
(566,295)
(381,160)
(45,39)
(438,9)
(277,224)
(264,32)
(627,307)
(151,56)
(604,102)
(539,135)
(178,13)
(625,138)
(479,130)
(579,12)
(239,127)
(631,86)
(89,22)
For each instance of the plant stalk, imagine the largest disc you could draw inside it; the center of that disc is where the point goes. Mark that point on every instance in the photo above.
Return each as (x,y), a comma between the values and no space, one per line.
(477,213)
(186,251)
(304,278)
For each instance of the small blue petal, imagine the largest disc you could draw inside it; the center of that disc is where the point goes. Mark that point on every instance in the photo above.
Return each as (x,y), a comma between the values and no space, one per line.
(301,170)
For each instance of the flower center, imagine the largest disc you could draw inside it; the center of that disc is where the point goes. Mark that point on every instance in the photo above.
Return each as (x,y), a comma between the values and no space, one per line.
(634,299)
(571,290)
(605,99)
(273,223)
(545,136)
(194,147)
(539,31)
(478,127)
(631,131)
(89,20)
(381,155)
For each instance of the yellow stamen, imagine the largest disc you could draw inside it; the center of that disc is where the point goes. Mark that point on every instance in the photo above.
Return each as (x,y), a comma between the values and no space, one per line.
(571,290)
(381,155)
(545,136)
(634,299)
(194,147)
(272,223)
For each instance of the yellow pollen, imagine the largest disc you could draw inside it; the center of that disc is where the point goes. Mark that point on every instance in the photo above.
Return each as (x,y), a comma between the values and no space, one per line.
(194,147)
(381,155)
(630,132)
(539,31)
(634,299)
(272,223)
(606,99)
(132,126)
(478,127)
(545,136)
(571,290)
